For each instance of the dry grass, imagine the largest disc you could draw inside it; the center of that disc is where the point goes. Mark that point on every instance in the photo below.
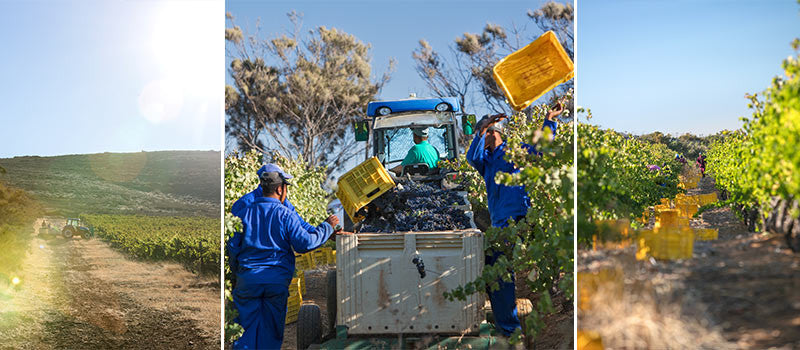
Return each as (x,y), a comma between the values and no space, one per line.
(652,311)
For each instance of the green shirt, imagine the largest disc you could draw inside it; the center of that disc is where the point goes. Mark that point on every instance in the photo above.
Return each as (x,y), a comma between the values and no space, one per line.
(422,152)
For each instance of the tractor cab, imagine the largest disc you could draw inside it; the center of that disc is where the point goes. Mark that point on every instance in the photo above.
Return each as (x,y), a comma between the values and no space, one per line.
(392,138)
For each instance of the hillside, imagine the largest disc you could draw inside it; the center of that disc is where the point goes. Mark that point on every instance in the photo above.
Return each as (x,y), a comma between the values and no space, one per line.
(183,183)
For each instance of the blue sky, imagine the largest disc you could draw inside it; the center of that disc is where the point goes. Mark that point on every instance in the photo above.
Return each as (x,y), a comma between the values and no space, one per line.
(679,66)
(118,76)
(393,28)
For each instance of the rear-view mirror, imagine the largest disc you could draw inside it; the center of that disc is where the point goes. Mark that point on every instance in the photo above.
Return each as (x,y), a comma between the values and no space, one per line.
(468,124)
(361,130)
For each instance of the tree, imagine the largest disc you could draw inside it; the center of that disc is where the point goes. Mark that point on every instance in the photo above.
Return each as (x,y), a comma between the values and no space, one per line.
(467,74)
(298,94)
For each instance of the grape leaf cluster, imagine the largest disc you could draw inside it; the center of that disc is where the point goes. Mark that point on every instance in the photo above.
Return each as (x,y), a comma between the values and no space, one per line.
(415,206)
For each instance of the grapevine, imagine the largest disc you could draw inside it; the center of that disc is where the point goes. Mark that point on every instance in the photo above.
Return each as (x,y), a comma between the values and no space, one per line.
(192,241)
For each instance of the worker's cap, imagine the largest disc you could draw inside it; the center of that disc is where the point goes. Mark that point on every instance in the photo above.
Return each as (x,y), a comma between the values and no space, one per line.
(421,132)
(273,174)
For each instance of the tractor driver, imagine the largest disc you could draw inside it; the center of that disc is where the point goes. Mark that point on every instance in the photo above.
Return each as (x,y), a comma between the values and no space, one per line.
(263,260)
(421,152)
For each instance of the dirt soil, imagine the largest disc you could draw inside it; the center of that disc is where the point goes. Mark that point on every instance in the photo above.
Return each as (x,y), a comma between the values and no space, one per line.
(81,294)
(739,291)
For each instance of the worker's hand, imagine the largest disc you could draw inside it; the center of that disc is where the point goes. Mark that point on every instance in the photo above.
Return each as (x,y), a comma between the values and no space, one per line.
(554,112)
(485,122)
(333,220)
(339,232)
(497,117)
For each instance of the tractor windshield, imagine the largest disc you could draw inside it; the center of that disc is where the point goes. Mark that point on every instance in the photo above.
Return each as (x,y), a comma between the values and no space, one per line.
(398,141)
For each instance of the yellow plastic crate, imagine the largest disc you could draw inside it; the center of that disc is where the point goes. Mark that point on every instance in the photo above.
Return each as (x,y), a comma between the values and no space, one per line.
(332,257)
(658,207)
(590,282)
(303,262)
(686,210)
(295,287)
(665,201)
(294,302)
(291,316)
(666,218)
(362,184)
(708,198)
(320,257)
(302,283)
(533,70)
(589,340)
(671,244)
(706,234)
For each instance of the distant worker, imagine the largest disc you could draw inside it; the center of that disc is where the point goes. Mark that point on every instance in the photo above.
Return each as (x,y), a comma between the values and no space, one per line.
(421,152)
(701,163)
(486,154)
(263,261)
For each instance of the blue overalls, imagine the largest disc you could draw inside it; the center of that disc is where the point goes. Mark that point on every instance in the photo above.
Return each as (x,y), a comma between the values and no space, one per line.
(504,202)
(263,259)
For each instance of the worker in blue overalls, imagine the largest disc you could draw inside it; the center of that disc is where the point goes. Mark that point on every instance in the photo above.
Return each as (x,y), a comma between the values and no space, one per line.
(239,206)
(264,260)
(486,154)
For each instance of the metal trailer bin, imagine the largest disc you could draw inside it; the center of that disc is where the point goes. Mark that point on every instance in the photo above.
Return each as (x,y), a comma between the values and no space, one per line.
(381,290)
(389,290)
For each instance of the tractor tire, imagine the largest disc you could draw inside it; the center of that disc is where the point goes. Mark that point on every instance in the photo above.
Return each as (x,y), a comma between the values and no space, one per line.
(309,326)
(332,300)
(85,234)
(67,233)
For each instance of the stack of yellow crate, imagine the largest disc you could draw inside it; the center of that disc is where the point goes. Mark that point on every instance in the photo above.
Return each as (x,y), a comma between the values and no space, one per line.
(303,261)
(686,210)
(707,198)
(295,299)
(671,238)
(673,243)
(320,257)
(706,234)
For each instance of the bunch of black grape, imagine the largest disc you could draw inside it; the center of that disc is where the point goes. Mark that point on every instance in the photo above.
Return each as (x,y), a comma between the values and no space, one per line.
(415,206)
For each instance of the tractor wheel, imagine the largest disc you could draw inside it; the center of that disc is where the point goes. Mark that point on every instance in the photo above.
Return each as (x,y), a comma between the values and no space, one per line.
(67,233)
(309,326)
(333,302)
(85,234)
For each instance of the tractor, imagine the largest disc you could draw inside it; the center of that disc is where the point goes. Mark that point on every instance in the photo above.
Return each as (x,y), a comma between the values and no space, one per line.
(391,137)
(74,227)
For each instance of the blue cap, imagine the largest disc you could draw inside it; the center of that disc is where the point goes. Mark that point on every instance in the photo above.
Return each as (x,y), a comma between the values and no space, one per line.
(276,171)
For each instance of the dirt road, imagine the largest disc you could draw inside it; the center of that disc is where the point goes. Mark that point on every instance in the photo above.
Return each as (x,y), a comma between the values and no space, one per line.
(81,294)
(739,291)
